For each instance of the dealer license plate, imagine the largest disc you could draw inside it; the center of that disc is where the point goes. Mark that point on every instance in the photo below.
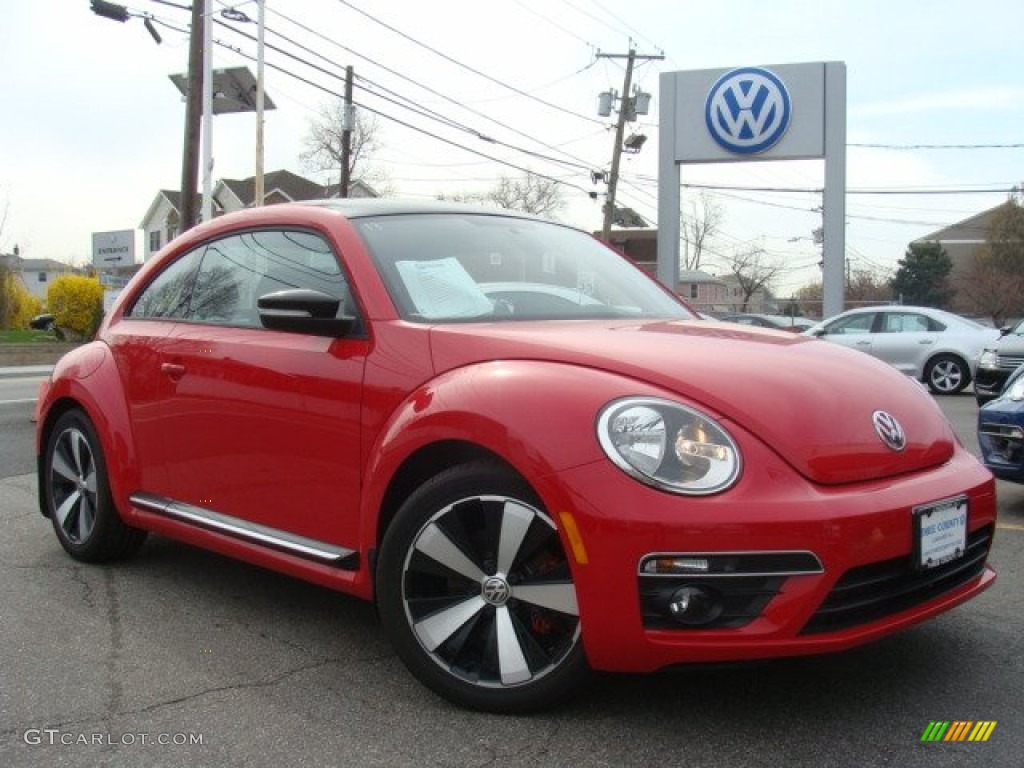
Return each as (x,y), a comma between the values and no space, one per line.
(940,532)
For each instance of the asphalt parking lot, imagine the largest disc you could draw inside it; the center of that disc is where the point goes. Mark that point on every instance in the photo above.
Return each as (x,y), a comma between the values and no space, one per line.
(183,657)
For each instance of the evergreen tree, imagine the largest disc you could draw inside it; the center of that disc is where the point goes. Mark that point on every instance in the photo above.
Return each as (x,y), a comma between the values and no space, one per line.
(922,276)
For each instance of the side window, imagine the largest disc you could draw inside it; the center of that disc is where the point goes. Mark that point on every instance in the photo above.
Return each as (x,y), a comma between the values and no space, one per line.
(905,322)
(167,295)
(223,294)
(852,324)
(237,270)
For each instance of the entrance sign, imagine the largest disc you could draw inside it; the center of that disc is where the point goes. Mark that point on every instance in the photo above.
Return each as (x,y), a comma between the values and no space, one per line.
(113,249)
(783,112)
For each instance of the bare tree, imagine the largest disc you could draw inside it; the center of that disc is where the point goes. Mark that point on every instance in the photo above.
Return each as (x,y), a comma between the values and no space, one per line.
(325,139)
(866,287)
(529,194)
(753,272)
(993,283)
(985,289)
(697,228)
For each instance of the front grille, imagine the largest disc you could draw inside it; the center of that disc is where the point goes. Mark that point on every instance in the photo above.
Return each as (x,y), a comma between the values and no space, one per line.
(871,592)
(1009,362)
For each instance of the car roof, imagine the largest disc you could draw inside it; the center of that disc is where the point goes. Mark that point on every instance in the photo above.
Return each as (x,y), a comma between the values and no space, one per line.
(358,207)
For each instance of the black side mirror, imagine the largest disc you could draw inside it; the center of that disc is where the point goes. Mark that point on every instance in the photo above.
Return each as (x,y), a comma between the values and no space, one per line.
(301,310)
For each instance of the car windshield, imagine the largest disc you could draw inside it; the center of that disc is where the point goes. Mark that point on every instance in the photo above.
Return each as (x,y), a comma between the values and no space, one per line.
(471,267)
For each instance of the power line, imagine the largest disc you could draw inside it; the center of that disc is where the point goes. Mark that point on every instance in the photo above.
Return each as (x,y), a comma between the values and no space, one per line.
(581,163)
(937,146)
(468,68)
(403,123)
(853,191)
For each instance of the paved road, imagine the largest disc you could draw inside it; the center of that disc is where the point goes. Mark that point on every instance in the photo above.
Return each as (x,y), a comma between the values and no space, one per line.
(179,645)
(17,397)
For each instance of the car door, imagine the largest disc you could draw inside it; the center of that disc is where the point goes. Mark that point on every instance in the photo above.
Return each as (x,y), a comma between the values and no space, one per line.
(138,341)
(260,425)
(905,340)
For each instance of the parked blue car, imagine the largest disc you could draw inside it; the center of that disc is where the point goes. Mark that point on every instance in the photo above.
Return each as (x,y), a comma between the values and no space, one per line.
(1001,430)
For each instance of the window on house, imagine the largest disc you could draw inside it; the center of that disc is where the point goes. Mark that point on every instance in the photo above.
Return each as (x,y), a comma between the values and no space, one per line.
(154,240)
(42,277)
(694,290)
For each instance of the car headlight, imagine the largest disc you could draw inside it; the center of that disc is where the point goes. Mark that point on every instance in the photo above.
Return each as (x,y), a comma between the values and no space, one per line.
(1016,390)
(989,359)
(668,446)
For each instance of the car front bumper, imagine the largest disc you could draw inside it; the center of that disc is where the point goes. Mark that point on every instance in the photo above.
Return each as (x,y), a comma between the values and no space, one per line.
(989,382)
(861,534)
(1001,437)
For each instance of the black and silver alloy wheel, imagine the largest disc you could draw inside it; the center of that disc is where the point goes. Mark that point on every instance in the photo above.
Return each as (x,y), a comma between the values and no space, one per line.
(77,494)
(73,485)
(947,375)
(476,592)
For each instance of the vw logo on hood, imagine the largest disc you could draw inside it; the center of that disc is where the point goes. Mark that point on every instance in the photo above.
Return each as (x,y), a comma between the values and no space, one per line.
(889,430)
(747,110)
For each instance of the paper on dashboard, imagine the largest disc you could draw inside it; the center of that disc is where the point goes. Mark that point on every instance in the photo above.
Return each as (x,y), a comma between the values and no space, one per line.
(443,288)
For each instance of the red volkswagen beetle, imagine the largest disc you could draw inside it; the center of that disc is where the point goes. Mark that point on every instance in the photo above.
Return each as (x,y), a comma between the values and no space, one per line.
(530,456)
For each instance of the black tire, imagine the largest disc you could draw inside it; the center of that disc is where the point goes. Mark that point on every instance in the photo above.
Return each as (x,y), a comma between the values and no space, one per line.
(947,375)
(77,495)
(470,564)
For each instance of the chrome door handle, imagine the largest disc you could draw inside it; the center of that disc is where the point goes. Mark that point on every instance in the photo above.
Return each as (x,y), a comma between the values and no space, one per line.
(174,370)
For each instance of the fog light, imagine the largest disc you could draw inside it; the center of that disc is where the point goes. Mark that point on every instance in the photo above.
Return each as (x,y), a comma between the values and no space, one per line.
(694,605)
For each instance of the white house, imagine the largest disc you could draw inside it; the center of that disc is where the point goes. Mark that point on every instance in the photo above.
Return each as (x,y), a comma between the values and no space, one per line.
(35,274)
(162,221)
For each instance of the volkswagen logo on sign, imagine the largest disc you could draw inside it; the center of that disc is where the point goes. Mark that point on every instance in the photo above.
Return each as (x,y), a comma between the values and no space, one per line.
(748,110)
(889,430)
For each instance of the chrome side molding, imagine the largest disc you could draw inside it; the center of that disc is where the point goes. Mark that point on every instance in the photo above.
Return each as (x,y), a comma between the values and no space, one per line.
(347,559)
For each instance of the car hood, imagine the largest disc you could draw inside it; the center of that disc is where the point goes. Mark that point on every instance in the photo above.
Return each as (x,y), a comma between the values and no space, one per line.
(811,401)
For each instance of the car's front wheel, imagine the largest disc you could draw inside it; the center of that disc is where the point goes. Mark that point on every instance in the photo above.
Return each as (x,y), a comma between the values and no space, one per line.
(476,594)
(76,494)
(947,375)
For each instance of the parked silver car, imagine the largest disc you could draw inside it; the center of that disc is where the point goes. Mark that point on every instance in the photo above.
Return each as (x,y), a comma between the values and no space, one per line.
(998,361)
(936,347)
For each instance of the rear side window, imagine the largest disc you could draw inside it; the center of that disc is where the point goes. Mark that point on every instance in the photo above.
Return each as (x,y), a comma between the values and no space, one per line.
(908,322)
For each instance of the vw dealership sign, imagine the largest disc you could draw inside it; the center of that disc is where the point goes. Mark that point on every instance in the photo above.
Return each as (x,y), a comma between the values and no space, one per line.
(783,112)
(745,113)
(747,110)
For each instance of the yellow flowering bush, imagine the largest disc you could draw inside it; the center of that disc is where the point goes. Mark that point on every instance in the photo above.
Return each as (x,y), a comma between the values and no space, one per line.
(76,304)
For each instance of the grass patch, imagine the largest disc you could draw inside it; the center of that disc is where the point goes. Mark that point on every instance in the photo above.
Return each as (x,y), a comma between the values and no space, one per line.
(27,336)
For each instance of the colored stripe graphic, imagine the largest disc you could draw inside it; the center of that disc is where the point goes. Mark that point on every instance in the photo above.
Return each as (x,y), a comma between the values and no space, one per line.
(935,731)
(958,730)
(982,730)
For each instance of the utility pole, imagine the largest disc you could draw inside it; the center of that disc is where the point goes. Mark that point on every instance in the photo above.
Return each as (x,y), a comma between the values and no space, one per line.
(346,133)
(627,113)
(207,208)
(259,191)
(193,113)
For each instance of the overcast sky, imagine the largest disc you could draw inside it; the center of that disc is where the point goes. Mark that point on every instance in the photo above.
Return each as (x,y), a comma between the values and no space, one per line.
(92,127)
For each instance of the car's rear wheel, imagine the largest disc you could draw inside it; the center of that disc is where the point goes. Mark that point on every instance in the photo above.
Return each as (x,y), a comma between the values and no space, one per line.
(947,375)
(77,494)
(476,594)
